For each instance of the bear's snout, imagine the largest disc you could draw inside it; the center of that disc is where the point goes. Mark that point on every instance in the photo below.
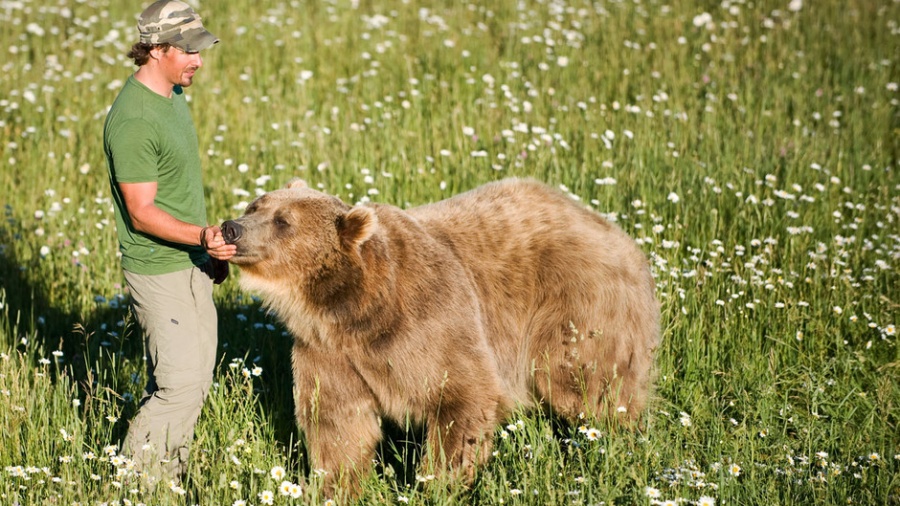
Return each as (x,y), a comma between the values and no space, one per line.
(231,231)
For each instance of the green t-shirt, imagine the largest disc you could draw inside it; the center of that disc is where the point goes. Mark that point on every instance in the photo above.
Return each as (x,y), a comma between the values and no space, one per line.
(151,138)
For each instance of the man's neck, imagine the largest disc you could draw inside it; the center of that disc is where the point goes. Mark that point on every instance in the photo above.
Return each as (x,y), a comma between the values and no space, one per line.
(148,78)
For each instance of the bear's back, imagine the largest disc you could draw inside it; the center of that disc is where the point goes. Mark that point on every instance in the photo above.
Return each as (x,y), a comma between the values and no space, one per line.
(516,229)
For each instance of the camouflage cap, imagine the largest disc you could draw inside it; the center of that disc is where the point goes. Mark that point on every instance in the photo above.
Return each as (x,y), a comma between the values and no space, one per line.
(176,23)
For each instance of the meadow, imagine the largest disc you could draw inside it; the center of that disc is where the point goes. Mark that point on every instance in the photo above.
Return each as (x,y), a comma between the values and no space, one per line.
(750,147)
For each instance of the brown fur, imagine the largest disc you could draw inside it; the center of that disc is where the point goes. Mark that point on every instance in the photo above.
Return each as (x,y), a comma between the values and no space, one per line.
(450,314)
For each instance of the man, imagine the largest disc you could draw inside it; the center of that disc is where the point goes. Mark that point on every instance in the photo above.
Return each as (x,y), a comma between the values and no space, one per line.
(170,257)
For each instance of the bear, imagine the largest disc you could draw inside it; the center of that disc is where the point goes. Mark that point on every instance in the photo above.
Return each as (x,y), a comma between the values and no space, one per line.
(450,315)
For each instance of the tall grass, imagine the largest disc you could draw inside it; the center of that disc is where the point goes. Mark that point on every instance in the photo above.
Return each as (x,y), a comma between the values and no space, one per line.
(750,147)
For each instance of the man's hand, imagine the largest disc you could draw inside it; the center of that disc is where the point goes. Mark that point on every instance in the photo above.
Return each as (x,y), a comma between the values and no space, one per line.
(215,244)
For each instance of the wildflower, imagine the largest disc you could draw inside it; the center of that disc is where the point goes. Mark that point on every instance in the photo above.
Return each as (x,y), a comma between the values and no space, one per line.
(890,330)
(735,470)
(652,493)
(239,502)
(266,497)
(257,371)
(685,419)
(706,501)
(514,492)
(403,499)
(592,434)
(16,471)
(703,19)
(235,485)
(295,491)
(874,457)
(277,473)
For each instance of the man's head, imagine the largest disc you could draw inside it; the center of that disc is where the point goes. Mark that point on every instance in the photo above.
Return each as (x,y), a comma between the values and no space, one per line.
(174,23)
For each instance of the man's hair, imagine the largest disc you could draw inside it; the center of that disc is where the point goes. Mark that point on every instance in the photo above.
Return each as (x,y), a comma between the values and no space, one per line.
(140,52)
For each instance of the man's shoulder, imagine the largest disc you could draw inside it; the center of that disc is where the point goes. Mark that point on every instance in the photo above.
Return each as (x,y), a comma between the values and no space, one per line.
(130,111)
(130,99)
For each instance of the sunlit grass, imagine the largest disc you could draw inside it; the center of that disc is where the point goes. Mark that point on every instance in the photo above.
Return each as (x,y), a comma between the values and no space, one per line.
(749,147)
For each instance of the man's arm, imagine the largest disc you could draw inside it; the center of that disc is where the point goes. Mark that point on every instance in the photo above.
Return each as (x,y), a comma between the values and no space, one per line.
(146,217)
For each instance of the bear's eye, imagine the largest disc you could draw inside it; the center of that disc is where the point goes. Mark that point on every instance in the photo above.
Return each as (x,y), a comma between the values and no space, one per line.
(280,221)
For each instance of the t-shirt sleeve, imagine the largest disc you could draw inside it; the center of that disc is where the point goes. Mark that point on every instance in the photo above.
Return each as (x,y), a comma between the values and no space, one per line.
(134,152)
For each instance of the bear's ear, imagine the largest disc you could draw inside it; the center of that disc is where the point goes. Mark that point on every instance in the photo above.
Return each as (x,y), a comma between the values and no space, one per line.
(296,183)
(356,226)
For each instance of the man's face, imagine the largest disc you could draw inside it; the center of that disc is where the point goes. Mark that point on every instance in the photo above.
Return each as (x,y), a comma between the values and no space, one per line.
(178,66)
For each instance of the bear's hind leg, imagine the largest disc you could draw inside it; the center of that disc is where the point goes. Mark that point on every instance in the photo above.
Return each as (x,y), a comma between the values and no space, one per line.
(592,374)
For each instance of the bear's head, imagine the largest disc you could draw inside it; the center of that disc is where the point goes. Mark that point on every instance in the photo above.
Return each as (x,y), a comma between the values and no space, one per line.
(299,239)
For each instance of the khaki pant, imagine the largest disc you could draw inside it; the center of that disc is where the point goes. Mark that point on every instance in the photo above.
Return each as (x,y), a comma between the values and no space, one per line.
(178,317)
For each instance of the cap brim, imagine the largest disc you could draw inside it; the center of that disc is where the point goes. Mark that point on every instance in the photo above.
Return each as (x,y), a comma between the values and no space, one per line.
(195,41)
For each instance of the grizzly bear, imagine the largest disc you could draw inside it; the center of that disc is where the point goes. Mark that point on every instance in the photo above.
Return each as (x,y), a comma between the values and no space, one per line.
(451,315)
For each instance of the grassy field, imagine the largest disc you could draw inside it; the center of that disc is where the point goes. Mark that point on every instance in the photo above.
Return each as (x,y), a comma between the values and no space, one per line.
(750,147)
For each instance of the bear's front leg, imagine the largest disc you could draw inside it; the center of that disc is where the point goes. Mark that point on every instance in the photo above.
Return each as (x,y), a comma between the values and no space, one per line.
(338,415)
(460,437)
